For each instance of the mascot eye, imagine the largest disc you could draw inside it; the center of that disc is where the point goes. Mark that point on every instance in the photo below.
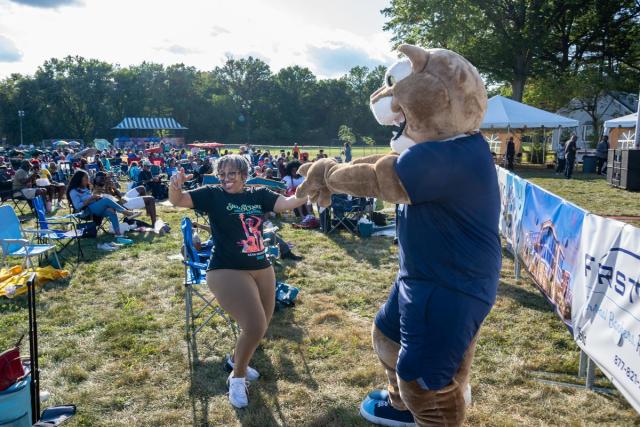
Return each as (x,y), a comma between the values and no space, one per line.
(391,80)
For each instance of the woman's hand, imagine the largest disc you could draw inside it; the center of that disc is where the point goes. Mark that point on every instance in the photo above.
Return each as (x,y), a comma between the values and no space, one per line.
(179,178)
(177,197)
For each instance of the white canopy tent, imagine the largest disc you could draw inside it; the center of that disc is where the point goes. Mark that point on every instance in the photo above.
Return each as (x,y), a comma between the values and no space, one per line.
(504,113)
(628,121)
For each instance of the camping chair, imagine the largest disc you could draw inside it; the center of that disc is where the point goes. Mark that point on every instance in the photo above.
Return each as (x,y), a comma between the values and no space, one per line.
(22,204)
(61,238)
(194,279)
(347,211)
(13,242)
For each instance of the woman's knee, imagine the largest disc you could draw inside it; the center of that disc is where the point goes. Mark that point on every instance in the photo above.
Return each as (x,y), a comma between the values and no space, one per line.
(254,328)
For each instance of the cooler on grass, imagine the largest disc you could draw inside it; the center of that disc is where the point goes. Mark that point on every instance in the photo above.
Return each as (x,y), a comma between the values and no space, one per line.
(15,404)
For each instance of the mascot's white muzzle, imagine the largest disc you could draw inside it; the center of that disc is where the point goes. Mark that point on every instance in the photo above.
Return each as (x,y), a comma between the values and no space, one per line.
(383,113)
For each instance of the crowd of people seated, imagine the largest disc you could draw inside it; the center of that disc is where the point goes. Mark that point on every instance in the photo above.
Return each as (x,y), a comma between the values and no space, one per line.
(93,182)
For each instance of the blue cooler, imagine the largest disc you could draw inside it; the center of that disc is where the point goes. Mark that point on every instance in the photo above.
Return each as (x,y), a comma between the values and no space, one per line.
(365,229)
(15,404)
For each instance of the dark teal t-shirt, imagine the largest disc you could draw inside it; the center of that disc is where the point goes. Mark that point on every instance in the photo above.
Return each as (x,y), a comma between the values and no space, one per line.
(236,225)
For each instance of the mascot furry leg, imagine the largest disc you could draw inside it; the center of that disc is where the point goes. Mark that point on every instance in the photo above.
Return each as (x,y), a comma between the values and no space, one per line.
(442,173)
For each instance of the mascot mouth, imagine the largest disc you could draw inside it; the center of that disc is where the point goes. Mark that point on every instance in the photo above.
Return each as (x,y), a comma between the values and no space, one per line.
(400,131)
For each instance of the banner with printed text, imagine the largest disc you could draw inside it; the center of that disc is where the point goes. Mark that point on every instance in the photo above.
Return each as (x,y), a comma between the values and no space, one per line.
(587,266)
(606,317)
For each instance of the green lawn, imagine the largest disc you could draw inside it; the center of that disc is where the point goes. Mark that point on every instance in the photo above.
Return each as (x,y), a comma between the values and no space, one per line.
(112,338)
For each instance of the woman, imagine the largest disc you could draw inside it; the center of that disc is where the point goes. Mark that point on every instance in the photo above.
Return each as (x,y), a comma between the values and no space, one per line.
(80,197)
(134,171)
(292,181)
(560,160)
(239,273)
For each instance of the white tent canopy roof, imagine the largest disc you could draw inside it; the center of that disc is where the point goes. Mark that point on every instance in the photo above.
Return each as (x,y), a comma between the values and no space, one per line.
(628,121)
(504,113)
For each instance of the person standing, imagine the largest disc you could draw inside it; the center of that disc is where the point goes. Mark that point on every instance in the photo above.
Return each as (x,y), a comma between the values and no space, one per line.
(347,152)
(239,273)
(602,151)
(561,161)
(570,154)
(511,153)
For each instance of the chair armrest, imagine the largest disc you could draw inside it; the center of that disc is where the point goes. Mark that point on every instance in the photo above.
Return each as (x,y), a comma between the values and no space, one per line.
(6,242)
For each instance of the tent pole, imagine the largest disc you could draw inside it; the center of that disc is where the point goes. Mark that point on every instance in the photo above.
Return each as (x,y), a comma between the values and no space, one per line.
(544,148)
(636,141)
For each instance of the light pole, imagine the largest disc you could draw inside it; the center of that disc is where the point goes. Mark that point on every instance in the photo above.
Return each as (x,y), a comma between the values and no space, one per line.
(21,116)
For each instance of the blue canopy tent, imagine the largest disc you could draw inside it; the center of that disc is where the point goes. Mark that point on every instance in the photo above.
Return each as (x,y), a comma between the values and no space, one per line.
(144,130)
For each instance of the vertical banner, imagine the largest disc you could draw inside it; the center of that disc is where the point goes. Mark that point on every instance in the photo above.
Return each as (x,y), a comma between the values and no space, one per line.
(606,319)
(512,196)
(550,233)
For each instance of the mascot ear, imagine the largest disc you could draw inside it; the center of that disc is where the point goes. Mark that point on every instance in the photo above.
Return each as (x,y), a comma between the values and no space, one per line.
(417,55)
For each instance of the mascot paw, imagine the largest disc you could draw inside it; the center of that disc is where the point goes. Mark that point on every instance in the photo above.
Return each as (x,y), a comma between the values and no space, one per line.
(315,183)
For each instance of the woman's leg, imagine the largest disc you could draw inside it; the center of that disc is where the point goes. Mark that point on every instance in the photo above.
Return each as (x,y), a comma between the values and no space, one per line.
(150,207)
(104,203)
(113,218)
(266,281)
(238,295)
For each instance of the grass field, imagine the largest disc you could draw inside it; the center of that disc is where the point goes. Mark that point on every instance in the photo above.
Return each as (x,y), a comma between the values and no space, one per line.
(112,338)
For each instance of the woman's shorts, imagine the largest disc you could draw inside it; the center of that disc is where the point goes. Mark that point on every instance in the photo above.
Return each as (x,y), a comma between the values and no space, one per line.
(434,326)
(134,202)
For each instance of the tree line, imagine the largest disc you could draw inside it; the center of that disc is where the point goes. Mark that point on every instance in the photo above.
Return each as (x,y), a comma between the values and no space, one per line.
(241,101)
(543,52)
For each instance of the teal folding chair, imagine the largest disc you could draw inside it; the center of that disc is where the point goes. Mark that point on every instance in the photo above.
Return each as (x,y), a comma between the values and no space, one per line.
(195,278)
(14,243)
(49,231)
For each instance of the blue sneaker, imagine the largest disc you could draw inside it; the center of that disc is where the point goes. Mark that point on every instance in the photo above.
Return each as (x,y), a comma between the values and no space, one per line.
(382,413)
(379,395)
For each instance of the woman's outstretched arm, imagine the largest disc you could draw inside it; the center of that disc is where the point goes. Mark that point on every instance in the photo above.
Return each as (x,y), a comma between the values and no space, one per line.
(177,197)
(284,204)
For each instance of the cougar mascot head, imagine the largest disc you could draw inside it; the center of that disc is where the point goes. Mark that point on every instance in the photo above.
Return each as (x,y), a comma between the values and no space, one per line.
(442,175)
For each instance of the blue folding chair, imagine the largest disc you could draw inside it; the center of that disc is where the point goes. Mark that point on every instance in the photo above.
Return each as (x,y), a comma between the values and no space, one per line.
(347,211)
(194,278)
(14,243)
(60,237)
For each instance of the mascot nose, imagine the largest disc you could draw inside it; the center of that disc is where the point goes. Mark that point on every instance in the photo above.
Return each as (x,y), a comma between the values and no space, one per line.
(384,114)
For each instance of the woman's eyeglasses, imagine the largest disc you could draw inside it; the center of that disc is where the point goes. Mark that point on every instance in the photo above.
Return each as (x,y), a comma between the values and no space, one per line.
(230,175)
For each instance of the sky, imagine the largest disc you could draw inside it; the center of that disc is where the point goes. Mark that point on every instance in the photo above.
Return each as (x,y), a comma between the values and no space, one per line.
(328,36)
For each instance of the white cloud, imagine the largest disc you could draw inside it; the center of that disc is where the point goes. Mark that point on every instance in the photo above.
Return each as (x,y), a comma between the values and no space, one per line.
(218,30)
(329,39)
(48,4)
(9,52)
(177,49)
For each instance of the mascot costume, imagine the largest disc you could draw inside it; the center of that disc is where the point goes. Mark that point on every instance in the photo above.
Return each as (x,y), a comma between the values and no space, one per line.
(442,174)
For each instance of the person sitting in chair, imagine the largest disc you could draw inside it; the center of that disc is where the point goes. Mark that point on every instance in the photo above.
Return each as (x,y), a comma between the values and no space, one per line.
(24,182)
(80,198)
(148,181)
(136,198)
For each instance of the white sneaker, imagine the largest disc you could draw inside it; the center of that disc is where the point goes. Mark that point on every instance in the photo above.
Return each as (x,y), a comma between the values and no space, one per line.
(106,247)
(250,375)
(238,389)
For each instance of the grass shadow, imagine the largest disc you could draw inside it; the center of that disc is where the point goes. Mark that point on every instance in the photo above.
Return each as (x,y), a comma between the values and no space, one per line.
(524,297)
(369,250)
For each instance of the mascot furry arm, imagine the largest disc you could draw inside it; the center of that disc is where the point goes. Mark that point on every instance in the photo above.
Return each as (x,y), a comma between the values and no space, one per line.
(433,95)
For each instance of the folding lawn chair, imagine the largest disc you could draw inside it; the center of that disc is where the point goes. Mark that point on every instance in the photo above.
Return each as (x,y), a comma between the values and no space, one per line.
(194,279)
(13,242)
(22,204)
(60,237)
(347,211)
